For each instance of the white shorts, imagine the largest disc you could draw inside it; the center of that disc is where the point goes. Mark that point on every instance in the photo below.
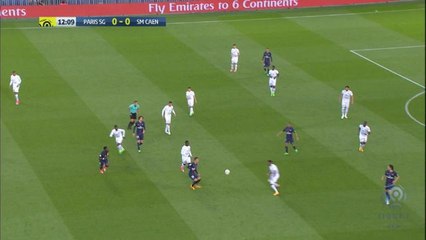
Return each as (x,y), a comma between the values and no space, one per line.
(168,119)
(345,104)
(272,82)
(191,103)
(273,180)
(234,60)
(362,138)
(15,88)
(186,160)
(119,140)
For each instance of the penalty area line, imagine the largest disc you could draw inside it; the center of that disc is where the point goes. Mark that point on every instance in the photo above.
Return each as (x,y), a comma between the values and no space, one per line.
(387,69)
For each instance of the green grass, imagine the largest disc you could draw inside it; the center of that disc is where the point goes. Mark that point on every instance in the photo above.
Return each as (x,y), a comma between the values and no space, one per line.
(78,82)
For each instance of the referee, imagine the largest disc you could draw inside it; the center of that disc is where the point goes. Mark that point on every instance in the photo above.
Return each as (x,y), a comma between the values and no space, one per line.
(134,110)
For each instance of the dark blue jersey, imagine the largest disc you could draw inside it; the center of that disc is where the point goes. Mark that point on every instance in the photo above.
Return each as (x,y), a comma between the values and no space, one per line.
(390,177)
(193,168)
(289,133)
(103,155)
(267,58)
(139,127)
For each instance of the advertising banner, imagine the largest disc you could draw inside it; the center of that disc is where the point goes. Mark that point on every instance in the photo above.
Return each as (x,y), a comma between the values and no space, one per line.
(157,8)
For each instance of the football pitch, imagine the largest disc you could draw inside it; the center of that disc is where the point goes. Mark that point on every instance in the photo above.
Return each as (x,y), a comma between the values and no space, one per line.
(79,82)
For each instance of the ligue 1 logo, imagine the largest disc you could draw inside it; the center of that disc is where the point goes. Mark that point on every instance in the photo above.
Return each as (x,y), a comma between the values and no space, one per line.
(398,194)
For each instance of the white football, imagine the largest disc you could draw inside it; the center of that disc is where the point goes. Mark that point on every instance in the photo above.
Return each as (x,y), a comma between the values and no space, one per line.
(227,171)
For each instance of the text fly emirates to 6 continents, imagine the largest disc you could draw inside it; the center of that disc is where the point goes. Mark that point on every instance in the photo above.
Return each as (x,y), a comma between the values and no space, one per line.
(102,21)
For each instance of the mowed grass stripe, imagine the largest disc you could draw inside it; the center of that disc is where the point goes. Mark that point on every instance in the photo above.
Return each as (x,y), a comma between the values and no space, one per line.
(62,141)
(210,213)
(245,77)
(27,210)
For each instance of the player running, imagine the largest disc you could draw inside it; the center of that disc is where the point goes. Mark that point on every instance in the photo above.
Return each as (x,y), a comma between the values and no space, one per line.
(186,155)
(139,132)
(390,178)
(191,100)
(290,135)
(347,98)
(15,83)
(103,160)
(119,135)
(266,60)
(364,130)
(193,174)
(273,75)
(274,175)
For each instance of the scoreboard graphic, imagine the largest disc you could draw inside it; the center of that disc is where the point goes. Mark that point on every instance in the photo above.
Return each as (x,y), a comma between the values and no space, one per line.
(102,21)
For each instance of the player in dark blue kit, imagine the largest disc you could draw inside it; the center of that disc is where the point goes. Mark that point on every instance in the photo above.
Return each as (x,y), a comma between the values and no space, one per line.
(290,133)
(139,130)
(390,178)
(266,60)
(103,160)
(193,173)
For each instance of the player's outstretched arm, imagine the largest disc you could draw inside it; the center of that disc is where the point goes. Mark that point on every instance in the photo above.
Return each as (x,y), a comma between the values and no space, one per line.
(279,133)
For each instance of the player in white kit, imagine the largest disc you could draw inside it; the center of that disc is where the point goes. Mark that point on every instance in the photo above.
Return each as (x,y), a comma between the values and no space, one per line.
(364,131)
(274,175)
(273,75)
(15,83)
(235,53)
(347,98)
(119,135)
(190,98)
(166,113)
(186,155)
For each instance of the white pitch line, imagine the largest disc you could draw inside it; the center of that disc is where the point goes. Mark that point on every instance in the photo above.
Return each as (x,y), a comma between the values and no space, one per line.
(387,69)
(387,48)
(254,19)
(408,111)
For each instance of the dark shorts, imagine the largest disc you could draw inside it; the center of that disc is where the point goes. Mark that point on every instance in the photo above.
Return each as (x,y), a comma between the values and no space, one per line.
(103,163)
(133,115)
(139,136)
(266,63)
(193,176)
(389,187)
(291,141)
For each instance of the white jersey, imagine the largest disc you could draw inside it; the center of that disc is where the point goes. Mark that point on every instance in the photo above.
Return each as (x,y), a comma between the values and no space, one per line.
(346,95)
(273,172)
(190,96)
(186,151)
(117,133)
(15,82)
(235,53)
(273,73)
(167,111)
(364,130)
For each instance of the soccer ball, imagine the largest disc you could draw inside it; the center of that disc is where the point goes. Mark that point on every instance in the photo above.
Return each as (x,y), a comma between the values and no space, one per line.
(227,171)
